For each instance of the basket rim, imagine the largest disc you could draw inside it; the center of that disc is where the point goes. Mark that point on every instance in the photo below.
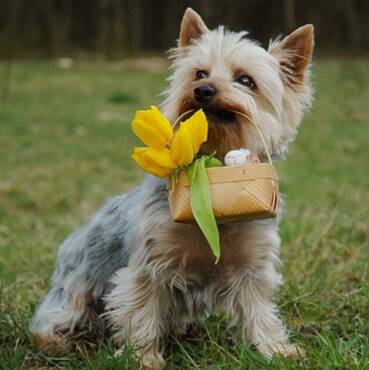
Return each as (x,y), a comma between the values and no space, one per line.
(224,174)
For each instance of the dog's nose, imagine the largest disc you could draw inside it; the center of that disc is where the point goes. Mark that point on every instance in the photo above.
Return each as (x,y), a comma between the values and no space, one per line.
(205,93)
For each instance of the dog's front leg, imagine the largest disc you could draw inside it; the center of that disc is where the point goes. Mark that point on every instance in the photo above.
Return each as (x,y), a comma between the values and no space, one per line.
(249,303)
(136,309)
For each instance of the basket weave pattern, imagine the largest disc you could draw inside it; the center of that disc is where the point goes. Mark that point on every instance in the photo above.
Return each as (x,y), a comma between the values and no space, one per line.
(238,193)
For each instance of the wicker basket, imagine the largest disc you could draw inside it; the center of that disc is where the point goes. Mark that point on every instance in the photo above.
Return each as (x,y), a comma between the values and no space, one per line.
(238,193)
(242,193)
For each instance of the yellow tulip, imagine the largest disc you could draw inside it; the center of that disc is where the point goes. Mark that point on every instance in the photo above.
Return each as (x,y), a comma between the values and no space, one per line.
(167,151)
(183,146)
(156,161)
(198,125)
(152,128)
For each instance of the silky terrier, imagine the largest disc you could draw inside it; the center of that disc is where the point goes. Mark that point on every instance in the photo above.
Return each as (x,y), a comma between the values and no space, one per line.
(151,276)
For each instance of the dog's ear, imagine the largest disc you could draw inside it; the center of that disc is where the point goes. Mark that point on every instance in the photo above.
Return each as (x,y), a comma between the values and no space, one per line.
(192,27)
(294,53)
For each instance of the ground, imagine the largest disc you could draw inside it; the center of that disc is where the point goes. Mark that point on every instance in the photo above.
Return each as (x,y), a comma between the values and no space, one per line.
(65,145)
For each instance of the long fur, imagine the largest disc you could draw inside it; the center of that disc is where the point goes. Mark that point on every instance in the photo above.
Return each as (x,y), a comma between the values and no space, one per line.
(153,276)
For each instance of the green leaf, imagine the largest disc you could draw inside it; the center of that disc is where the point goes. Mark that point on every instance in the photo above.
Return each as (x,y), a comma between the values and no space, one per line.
(201,204)
(211,161)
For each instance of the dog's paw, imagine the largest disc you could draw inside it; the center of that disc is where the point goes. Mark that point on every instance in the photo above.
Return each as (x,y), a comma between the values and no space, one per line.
(287,350)
(152,360)
(180,332)
(55,345)
(119,352)
(149,360)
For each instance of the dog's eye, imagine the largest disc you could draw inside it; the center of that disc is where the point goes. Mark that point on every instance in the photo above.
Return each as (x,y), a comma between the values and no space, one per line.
(201,74)
(246,81)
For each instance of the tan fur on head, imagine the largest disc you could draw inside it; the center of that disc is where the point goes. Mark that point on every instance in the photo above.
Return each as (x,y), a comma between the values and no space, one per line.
(281,74)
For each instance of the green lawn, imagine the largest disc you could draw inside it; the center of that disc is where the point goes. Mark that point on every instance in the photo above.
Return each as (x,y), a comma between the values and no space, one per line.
(65,146)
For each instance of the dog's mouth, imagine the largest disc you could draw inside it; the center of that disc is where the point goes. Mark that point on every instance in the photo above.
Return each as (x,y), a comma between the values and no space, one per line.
(218,115)
(215,114)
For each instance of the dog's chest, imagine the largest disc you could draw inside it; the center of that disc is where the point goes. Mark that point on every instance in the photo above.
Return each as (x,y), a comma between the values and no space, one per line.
(184,247)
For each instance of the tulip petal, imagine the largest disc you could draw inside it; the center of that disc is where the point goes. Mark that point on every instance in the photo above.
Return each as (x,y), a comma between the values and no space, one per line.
(148,134)
(162,157)
(137,155)
(152,127)
(198,125)
(165,126)
(144,158)
(182,146)
(158,171)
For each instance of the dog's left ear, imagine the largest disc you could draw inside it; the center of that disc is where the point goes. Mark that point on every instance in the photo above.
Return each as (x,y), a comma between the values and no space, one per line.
(294,53)
(192,27)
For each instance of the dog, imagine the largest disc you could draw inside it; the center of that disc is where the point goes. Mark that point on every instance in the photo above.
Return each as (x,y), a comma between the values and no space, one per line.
(152,276)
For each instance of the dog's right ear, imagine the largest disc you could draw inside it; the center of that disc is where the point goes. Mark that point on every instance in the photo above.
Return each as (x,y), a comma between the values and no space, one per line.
(294,54)
(192,27)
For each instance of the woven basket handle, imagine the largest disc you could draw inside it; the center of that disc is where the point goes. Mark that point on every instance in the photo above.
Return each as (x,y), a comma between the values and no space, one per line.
(263,140)
(259,132)
(175,124)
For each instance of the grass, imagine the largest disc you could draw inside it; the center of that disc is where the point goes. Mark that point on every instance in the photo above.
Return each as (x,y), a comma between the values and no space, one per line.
(65,146)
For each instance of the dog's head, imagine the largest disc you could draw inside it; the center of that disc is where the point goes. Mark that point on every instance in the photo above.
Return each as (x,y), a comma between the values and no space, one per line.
(237,82)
